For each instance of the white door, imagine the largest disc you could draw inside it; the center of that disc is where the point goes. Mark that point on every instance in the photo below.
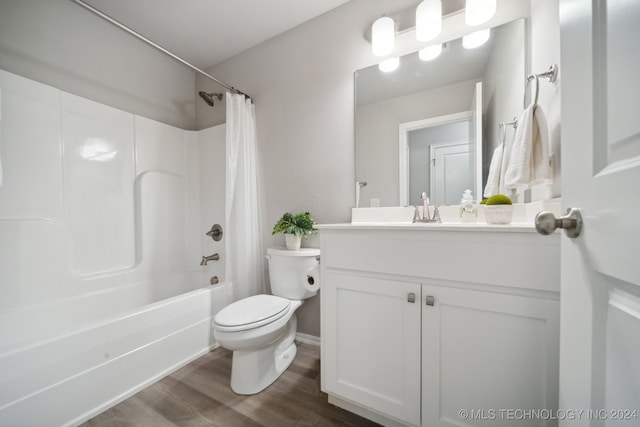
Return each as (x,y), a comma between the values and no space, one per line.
(450,173)
(475,141)
(600,294)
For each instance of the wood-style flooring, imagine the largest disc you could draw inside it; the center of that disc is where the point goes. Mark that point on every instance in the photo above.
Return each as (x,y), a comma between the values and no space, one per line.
(199,395)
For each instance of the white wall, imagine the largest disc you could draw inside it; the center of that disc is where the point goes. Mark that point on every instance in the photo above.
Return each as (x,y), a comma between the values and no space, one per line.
(59,43)
(302,84)
(545,50)
(503,87)
(211,185)
(543,45)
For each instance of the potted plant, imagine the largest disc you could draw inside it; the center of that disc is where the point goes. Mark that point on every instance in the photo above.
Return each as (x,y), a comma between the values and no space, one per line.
(295,227)
(498,210)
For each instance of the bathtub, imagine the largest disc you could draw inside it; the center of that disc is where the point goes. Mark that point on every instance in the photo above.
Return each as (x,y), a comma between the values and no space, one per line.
(68,378)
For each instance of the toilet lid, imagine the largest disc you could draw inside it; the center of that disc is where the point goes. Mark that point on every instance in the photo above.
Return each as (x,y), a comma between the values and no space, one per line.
(253,311)
(290,253)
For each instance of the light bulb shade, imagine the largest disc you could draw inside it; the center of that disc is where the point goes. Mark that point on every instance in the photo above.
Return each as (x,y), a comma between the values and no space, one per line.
(478,12)
(382,36)
(477,39)
(389,65)
(430,52)
(428,20)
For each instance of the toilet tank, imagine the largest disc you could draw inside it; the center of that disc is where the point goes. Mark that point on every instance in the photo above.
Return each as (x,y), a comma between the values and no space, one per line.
(294,274)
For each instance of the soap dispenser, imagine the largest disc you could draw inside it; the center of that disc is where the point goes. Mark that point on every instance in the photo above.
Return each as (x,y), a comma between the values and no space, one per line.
(469,208)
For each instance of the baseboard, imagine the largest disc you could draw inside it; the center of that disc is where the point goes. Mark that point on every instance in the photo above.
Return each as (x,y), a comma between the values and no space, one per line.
(308,339)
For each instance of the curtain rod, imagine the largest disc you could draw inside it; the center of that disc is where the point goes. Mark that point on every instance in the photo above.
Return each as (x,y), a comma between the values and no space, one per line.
(157,46)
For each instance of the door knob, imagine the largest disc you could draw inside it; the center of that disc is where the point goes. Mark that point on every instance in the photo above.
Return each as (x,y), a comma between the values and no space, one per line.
(546,222)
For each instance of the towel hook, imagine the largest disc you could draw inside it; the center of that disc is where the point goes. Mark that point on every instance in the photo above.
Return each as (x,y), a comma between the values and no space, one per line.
(503,128)
(513,123)
(531,77)
(550,75)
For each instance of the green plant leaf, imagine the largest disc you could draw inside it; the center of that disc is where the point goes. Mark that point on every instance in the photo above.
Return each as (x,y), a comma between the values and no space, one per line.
(300,224)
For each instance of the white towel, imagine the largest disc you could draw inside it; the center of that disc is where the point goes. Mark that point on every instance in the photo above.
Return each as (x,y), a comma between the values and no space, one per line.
(529,159)
(493,181)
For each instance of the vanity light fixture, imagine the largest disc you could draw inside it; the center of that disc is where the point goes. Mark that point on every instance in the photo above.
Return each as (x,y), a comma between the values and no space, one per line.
(478,12)
(428,20)
(477,39)
(389,64)
(430,52)
(383,36)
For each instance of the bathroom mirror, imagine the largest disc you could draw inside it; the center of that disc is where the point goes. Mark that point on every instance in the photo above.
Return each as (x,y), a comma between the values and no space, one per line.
(391,109)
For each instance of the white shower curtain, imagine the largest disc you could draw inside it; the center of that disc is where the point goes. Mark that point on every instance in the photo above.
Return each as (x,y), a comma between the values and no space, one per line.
(243,238)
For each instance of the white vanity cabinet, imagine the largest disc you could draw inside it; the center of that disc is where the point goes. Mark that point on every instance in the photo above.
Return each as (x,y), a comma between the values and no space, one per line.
(420,323)
(371,343)
(486,352)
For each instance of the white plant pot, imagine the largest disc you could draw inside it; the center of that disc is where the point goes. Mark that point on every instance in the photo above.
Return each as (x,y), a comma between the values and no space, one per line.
(498,214)
(292,241)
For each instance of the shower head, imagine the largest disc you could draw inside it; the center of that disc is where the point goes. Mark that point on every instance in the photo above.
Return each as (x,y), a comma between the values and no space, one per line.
(208,97)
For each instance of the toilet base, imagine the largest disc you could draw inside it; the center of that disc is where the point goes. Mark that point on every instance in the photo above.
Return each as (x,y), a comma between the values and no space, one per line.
(253,371)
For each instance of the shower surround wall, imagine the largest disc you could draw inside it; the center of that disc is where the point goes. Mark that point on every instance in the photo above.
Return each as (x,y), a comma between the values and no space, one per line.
(102,221)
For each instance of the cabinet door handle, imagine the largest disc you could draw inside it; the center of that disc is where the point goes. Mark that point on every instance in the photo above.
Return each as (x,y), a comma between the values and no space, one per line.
(411,297)
(430,300)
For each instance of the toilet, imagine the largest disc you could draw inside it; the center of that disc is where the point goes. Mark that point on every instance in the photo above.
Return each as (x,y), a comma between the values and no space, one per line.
(261,329)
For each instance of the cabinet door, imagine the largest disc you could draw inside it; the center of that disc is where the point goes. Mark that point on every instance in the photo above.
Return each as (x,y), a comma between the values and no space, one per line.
(487,358)
(371,339)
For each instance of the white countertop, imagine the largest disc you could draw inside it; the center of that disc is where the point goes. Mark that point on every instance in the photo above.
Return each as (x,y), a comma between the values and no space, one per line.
(408,226)
(400,218)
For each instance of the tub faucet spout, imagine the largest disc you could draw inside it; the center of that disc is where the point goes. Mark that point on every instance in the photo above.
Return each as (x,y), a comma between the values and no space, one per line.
(206,259)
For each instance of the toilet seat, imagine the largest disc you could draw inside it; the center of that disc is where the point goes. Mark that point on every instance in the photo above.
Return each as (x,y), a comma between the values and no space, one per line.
(251,312)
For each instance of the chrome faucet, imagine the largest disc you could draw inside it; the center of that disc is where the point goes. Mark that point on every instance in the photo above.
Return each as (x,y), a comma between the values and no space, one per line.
(425,215)
(206,259)
(416,215)
(436,216)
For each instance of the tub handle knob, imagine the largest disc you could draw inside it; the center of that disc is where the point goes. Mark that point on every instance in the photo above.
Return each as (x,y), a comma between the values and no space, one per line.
(215,233)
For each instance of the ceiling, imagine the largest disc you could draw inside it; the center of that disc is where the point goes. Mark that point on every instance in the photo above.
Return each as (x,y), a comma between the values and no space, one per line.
(206,32)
